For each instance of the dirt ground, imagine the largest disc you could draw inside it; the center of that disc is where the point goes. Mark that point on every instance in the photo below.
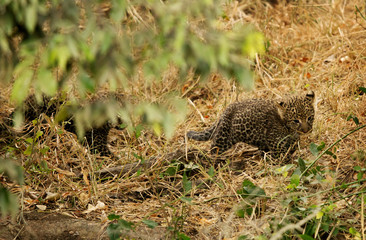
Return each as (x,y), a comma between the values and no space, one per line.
(312,45)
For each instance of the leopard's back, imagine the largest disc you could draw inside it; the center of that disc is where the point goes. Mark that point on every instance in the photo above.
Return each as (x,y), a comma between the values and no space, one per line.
(257,122)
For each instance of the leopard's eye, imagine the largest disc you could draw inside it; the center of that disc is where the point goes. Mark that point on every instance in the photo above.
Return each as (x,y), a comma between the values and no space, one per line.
(296,121)
(310,118)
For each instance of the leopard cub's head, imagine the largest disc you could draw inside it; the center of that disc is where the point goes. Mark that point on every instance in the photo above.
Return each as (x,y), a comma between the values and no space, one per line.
(298,112)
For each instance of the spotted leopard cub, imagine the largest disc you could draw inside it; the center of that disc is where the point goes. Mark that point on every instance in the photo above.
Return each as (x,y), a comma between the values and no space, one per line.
(272,126)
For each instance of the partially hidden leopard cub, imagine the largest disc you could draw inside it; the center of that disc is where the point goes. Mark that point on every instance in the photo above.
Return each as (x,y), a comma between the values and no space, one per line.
(96,135)
(272,126)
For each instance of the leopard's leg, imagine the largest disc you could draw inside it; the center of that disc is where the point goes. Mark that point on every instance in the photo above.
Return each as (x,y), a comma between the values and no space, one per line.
(220,145)
(97,140)
(222,139)
(283,147)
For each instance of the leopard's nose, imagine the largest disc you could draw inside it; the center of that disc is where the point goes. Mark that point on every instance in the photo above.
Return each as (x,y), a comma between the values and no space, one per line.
(304,127)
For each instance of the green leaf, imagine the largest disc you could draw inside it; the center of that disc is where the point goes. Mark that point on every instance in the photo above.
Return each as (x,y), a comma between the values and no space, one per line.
(113,217)
(87,84)
(31,16)
(331,154)
(357,168)
(359,176)
(8,203)
(242,237)
(249,190)
(38,134)
(211,172)
(114,230)
(319,215)
(362,89)
(28,151)
(354,232)
(314,149)
(244,77)
(190,166)
(12,170)
(186,199)
(59,55)
(118,9)
(305,237)
(261,237)
(21,86)
(321,146)
(138,157)
(253,44)
(284,169)
(44,150)
(240,213)
(182,236)
(150,223)
(123,224)
(168,124)
(46,82)
(354,118)
(302,164)
(157,128)
(138,130)
(295,180)
(18,118)
(171,171)
(187,185)
(72,45)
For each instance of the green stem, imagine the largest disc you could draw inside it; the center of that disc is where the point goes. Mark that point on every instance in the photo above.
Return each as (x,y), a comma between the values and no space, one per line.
(358,10)
(331,146)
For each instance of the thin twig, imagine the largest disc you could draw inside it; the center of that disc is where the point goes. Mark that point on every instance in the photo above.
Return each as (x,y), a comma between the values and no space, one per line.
(336,188)
(231,196)
(362,218)
(202,118)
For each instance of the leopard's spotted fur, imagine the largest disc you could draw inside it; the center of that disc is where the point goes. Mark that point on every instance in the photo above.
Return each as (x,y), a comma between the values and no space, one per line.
(269,125)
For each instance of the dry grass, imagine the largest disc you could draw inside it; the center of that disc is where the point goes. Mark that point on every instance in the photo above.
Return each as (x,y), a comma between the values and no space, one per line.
(313,45)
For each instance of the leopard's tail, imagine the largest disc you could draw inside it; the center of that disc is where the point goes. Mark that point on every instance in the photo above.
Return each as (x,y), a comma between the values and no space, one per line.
(205,135)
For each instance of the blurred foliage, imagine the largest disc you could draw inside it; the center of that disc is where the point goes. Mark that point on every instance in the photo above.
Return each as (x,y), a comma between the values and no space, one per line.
(49,45)
(8,202)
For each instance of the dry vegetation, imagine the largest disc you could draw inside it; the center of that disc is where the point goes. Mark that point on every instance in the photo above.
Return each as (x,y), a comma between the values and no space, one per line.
(317,45)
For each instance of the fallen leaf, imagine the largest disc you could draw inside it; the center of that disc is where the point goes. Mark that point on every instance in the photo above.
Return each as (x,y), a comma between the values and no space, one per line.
(329,59)
(52,196)
(84,198)
(100,205)
(41,207)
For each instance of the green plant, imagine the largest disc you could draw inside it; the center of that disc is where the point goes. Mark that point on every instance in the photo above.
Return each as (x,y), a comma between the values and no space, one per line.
(320,220)
(8,201)
(48,47)
(250,193)
(115,230)
(52,46)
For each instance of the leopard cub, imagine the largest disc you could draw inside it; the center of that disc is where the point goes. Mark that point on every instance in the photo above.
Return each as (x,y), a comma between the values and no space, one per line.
(272,126)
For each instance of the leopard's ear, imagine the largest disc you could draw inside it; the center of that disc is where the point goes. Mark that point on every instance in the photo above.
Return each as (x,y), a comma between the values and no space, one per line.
(310,94)
(281,109)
